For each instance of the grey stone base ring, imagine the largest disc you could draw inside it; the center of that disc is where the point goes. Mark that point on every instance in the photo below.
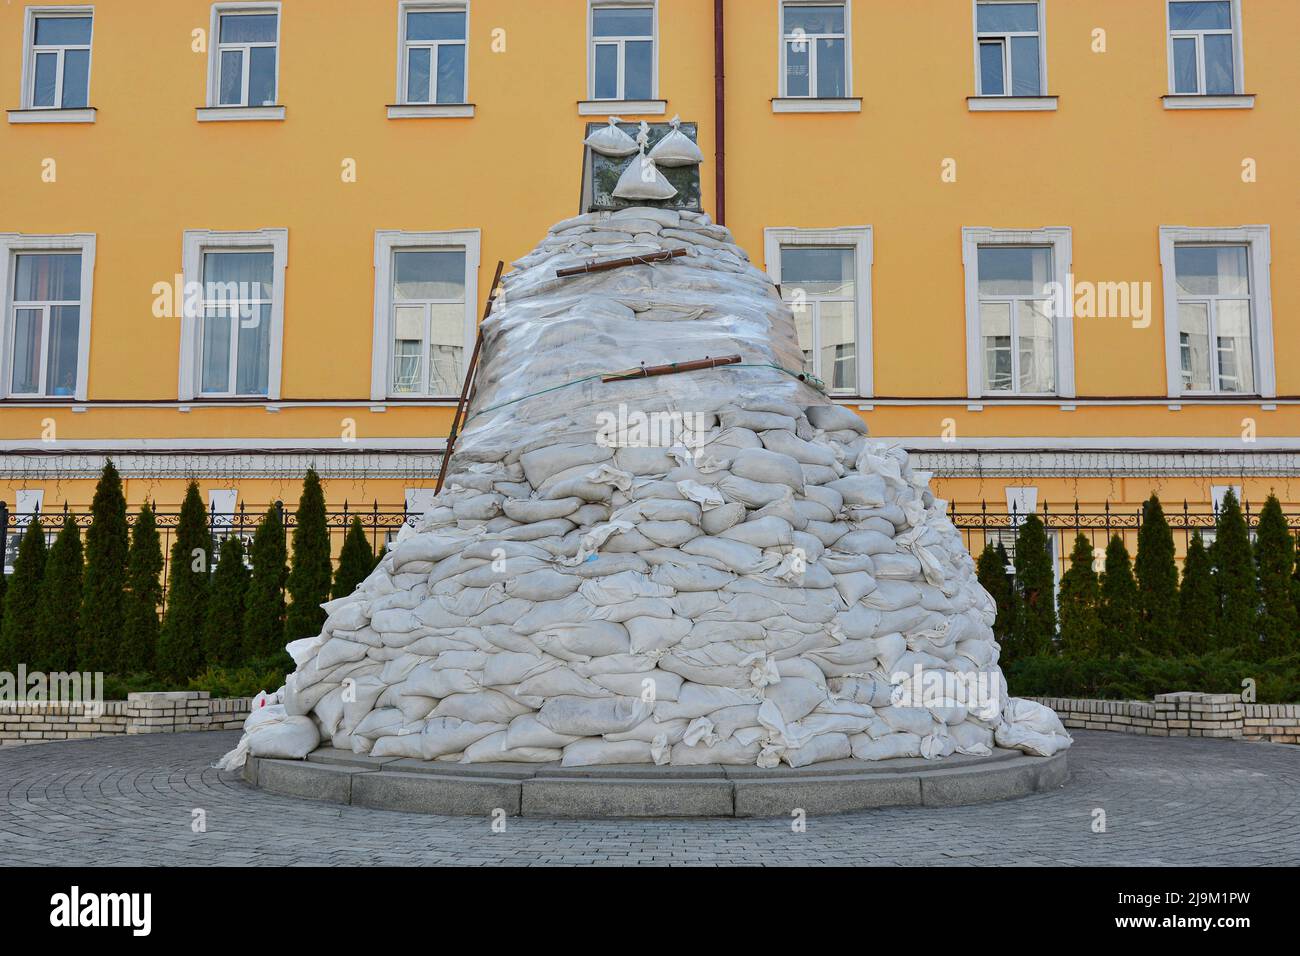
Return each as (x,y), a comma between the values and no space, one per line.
(549,790)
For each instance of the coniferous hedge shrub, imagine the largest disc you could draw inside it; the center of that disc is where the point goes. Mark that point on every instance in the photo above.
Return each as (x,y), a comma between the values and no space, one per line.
(180,647)
(1118,612)
(1196,600)
(356,560)
(1156,571)
(223,631)
(991,570)
(1079,602)
(22,599)
(1275,567)
(264,601)
(1234,582)
(138,650)
(310,570)
(59,604)
(104,589)
(1035,627)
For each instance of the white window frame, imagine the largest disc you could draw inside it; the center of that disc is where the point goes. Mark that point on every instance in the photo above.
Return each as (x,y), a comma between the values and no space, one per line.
(13,244)
(215,47)
(1060,238)
(862,240)
(30,51)
(592,7)
(1238,66)
(980,38)
(388,242)
(195,243)
(784,39)
(432,108)
(1258,241)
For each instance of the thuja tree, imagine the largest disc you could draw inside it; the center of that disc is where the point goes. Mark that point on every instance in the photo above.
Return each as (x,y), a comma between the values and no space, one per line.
(59,604)
(180,650)
(1118,612)
(1196,600)
(1080,601)
(991,569)
(1036,614)
(138,649)
(223,631)
(1234,581)
(264,601)
(309,573)
(107,546)
(356,560)
(1275,565)
(1157,581)
(17,636)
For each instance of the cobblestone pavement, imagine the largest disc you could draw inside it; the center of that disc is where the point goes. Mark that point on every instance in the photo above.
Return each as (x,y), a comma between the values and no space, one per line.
(130,800)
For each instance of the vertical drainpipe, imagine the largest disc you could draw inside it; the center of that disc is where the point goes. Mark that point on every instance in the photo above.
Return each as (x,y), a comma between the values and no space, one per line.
(719,110)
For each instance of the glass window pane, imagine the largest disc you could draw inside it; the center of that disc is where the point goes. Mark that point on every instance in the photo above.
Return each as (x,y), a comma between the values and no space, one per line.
(48,277)
(1232,331)
(214,374)
(831,80)
(62,31)
(231,87)
(1185,69)
(1037,354)
(27,351)
(797,55)
(839,367)
(429,275)
(1007,17)
(254,356)
(1191,15)
(45,80)
(992,81)
(248,28)
(1014,270)
(606,72)
(1194,343)
(817,271)
(623,22)
(1212,270)
(451,73)
(638,71)
(995,330)
(439,25)
(1219,77)
(76,79)
(407,355)
(65,329)
(237,276)
(446,349)
(814,20)
(417,75)
(261,76)
(1024,67)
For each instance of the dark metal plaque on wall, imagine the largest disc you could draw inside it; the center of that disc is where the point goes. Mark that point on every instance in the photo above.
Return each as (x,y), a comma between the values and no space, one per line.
(600,174)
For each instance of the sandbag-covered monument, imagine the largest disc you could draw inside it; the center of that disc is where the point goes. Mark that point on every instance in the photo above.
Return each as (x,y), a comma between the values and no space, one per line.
(658,543)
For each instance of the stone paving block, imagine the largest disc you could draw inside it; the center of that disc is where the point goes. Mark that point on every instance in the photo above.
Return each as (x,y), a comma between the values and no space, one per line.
(297,778)
(581,798)
(424,793)
(768,797)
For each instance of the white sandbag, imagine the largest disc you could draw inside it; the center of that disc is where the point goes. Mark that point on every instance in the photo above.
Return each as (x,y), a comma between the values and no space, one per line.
(726,752)
(642,180)
(1018,737)
(768,467)
(493,749)
(591,753)
(823,747)
(591,717)
(835,418)
(652,685)
(612,141)
(889,747)
(526,732)
(676,148)
(285,738)
(483,707)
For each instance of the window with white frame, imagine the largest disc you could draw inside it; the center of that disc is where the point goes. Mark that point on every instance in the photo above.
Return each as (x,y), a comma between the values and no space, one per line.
(425,312)
(233,322)
(434,44)
(1019,322)
(47,296)
(825,279)
(57,70)
(623,54)
(1009,47)
(1204,47)
(245,56)
(1218,311)
(815,50)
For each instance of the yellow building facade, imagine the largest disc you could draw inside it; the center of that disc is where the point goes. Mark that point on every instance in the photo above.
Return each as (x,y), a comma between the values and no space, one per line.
(1051,247)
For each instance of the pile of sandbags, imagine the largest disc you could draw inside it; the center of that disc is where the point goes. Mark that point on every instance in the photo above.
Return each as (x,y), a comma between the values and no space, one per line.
(756,582)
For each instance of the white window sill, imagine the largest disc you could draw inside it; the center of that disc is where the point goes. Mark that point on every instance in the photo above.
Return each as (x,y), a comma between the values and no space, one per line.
(622,107)
(1240,101)
(817,104)
(48,115)
(430,110)
(994,104)
(226,114)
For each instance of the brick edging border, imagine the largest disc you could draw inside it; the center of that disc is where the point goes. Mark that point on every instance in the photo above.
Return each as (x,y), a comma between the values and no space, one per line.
(168,712)
(1183,714)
